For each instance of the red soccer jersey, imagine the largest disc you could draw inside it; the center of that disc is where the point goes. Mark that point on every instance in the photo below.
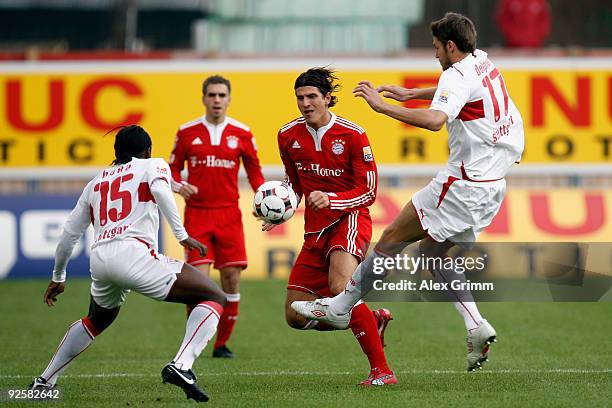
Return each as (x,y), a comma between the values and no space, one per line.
(336,159)
(213,153)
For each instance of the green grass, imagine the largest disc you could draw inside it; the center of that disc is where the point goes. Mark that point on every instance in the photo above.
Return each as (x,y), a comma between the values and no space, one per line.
(548,354)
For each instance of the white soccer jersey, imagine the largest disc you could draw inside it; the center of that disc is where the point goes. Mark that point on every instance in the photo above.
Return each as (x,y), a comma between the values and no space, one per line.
(485,129)
(119,203)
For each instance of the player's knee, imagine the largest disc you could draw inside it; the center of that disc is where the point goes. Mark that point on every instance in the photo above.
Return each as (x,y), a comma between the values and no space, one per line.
(336,287)
(218,297)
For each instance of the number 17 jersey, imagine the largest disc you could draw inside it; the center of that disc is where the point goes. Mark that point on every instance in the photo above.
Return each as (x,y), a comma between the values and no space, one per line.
(119,204)
(485,129)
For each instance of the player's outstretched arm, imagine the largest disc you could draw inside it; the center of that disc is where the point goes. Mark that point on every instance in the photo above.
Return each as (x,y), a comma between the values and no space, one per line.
(430,119)
(401,94)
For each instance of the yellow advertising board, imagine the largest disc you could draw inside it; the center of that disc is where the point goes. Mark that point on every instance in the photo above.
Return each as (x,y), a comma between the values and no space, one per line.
(558,215)
(58,117)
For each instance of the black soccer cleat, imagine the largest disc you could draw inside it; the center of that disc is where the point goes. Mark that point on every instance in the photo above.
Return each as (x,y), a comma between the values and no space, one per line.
(186,379)
(40,383)
(223,352)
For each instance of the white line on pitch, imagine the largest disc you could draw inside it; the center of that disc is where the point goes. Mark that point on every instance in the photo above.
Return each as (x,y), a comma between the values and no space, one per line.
(307,373)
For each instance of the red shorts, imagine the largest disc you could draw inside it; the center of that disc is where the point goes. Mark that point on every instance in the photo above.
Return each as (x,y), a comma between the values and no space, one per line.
(220,229)
(351,234)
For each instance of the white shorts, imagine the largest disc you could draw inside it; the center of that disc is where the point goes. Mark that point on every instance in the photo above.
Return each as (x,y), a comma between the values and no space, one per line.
(119,266)
(458,210)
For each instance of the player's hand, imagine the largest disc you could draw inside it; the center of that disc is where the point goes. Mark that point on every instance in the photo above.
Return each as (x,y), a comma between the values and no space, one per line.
(52,292)
(187,190)
(366,90)
(267,226)
(398,93)
(191,243)
(318,200)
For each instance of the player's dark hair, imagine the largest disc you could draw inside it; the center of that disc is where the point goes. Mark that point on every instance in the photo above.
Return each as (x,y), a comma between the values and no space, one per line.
(214,80)
(130,141)
(456,28)
(322,79)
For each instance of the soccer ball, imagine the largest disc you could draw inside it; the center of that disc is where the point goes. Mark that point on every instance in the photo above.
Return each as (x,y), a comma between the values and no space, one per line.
(275,202)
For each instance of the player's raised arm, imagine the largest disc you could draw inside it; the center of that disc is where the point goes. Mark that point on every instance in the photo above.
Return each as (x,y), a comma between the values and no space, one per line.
(430,119)
(401,94)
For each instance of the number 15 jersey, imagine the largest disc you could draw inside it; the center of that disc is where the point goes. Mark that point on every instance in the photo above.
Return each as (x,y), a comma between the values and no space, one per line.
(485,129)
(119,204)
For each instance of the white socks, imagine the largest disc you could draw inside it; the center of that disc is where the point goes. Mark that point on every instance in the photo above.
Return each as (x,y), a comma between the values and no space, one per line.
(463,299)
(360,284)
(201,327)
(75,341)
(344,302)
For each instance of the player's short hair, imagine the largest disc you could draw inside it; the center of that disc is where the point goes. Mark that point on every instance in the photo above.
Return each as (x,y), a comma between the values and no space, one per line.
(321,78)
(130,141)
(457,28)
(214,80)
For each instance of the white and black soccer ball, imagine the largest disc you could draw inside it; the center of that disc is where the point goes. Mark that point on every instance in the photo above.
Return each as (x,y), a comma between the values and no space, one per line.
(275,202)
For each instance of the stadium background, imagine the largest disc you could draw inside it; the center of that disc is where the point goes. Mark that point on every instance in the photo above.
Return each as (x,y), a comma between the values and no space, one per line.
(62,89)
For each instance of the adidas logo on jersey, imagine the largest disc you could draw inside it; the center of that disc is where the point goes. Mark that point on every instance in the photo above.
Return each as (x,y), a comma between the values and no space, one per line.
(196,141)
(296,145)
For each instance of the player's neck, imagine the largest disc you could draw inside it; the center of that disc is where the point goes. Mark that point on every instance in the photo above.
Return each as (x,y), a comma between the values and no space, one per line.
(323,121)
(455,58)
(215,121)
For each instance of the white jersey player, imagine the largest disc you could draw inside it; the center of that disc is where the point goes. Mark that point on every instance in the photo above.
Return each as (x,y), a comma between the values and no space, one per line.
(485,139)
(122,204)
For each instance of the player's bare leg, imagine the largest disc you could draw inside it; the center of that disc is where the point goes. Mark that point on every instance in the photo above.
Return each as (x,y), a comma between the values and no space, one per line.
(193,288)
(205,270)
(296,321)
(79,336)
(230,283)
(405,229)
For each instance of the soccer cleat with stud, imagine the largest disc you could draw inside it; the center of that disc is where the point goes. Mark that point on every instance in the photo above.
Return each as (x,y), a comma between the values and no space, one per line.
(318,309)
(378,378)
(222,352)
(185,379)
(478,343)
(40,383)
(383,317)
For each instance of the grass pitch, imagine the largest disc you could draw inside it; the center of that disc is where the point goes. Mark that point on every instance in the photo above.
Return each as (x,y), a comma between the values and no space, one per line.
(548,354)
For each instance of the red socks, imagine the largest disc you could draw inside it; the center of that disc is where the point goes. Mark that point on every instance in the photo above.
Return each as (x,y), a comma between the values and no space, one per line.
(365,328)
(228,320)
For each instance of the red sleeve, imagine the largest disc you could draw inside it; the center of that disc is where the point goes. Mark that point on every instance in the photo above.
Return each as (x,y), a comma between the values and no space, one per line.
(291,174)
(251,162)
(365,174)
(177,161)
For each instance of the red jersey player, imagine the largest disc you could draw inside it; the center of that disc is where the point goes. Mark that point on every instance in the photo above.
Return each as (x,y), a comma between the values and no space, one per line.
(122,204)
(213,146)
(328,160)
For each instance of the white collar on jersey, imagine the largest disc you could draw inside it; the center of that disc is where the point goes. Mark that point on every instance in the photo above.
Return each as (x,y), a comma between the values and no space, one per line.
(317,135)
(215,131)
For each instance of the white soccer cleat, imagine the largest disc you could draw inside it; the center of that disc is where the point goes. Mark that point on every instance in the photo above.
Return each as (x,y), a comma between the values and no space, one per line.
(319,310)
(478,343)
